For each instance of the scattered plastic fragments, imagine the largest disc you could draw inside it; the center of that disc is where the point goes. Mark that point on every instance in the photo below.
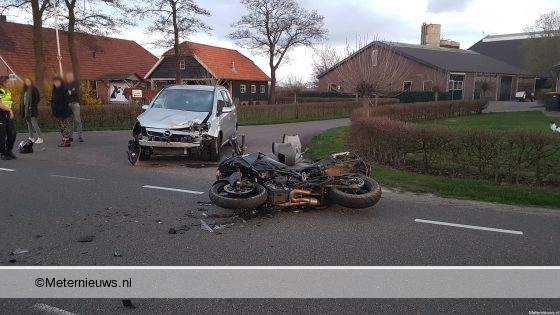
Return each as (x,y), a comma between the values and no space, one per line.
(158,221)
(12,261)
(86,239)
(223,226)
(128,303)
(117,254)
(204,226)
(172,231)
(205,203)
(19,251)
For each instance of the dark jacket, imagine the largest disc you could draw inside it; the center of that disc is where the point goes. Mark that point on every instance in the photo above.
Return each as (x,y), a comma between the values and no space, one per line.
(33,107)
(59,103)
(73,90)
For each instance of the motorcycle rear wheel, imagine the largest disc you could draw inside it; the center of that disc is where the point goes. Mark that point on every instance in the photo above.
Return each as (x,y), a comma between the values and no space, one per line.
(367,196)
(219,196)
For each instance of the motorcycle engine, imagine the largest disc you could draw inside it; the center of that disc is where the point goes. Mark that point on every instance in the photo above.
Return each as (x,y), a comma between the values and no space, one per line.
(278,193)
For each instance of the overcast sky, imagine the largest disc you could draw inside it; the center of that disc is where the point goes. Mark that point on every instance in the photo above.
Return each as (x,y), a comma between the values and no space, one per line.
(465,21)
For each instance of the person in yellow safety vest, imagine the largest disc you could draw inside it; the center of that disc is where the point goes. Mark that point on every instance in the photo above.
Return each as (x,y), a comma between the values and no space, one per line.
(7,125)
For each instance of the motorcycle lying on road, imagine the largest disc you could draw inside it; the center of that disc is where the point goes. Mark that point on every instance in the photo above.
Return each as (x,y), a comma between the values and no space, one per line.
(252,180)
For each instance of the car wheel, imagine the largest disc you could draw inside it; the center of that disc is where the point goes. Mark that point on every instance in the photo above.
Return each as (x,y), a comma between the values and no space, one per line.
(214,148)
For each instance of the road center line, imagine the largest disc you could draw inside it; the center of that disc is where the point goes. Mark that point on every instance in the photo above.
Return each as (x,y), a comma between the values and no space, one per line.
(47,309)
(175,190)
(7,170)
(71,177)
(474,227)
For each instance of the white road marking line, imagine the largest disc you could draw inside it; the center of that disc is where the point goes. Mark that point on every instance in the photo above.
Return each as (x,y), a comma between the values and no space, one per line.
(474,227)
(7,170)
(175,189)
(71,177)
(47,309)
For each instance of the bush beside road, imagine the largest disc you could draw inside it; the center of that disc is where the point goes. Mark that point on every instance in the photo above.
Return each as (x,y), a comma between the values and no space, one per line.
(336,140)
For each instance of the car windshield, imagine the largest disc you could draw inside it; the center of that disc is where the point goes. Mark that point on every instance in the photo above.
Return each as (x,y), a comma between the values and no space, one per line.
(185,100)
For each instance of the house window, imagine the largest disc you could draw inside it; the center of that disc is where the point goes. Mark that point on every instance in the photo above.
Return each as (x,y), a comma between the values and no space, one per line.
(253,89)
(263,89)
(333,87)
(407,86)
(182,64)
(374,55)
(12,77)
(428,85)
(455,85)
(242,88)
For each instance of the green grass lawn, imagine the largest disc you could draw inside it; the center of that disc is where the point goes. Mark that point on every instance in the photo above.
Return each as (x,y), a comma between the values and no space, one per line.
(535,120)
(335,140)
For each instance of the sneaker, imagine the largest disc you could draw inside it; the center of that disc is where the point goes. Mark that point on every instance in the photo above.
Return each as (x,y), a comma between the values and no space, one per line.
(39,141)
(31,139)
(81,139)
(5,157)
(12,155)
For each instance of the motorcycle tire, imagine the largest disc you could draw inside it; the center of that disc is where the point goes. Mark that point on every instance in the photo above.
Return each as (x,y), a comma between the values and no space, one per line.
(368,196)
(249,203)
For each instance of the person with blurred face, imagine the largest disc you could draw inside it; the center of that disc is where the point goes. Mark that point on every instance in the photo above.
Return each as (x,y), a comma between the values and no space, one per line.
(61,110)
(73,88)
(29,110)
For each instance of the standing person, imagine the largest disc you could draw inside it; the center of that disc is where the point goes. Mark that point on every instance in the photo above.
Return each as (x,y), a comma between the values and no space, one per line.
(29,109)
(61,110)
(73,88)
(7,125)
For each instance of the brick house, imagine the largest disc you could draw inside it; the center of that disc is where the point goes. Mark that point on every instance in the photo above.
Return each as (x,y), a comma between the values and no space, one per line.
(105,62)
(461,72)
(205,64)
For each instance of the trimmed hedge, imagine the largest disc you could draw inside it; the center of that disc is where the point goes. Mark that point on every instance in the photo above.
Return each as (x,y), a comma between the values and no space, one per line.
(428,110)
(422,96)
(516,156)
(259,114)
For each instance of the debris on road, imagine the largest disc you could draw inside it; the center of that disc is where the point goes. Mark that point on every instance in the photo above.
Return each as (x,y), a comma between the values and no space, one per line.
(86,239)
(204,203)
(12,261)
(19,251)
(128,303)
(172,231)
(224,226)
(205,227)
(159,221)
(117,254)
(108,208)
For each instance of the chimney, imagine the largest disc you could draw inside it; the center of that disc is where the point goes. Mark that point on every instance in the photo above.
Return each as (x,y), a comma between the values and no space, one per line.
(3,18)
(233,66)
(431,35)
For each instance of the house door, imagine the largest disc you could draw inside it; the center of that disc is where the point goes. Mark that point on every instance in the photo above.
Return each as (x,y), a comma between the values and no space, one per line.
(505,88)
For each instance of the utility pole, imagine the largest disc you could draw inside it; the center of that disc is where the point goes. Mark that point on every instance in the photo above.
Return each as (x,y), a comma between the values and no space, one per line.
(59,56)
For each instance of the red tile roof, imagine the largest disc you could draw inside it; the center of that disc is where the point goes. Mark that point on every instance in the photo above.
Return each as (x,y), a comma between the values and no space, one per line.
(98,55)
(219,61)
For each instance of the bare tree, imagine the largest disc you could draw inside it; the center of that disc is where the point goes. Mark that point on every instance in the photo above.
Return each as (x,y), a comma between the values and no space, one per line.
(97,17)
(38,10)
(542,52)
(374,70)
(324,58)
(294,85)
(174,21)
(274,27)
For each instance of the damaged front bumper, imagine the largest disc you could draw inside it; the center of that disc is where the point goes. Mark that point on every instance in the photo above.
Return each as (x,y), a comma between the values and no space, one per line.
(178,139)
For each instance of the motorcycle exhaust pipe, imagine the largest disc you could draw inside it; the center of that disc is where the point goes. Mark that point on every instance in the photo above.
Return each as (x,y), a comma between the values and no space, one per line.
(297,199)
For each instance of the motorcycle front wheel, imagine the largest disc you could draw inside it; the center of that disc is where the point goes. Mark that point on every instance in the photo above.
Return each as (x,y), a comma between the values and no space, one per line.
(364,197)
(224,196)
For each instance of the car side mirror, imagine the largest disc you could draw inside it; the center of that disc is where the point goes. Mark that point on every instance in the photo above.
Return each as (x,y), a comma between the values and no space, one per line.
(145,107)
(227,110)
(221,106)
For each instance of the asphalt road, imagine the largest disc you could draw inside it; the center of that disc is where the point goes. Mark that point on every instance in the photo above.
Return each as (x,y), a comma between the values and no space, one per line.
(53,197)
